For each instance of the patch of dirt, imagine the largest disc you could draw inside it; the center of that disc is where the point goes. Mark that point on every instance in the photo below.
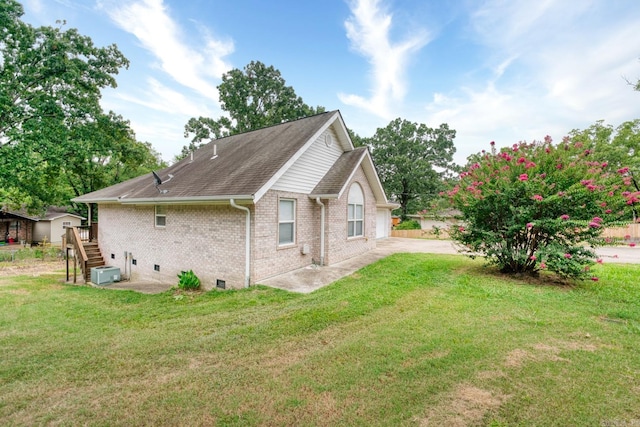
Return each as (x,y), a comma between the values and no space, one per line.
(546,351)
(467,405)
(489,375)
(516,358)
(31,268)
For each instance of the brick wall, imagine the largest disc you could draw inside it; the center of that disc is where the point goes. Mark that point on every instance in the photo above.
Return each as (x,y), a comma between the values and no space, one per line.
(210,240)
(269,258)
(338,246)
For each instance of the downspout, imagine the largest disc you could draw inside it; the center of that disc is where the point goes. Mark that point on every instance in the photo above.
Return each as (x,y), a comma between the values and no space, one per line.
(247,249)
(321,230)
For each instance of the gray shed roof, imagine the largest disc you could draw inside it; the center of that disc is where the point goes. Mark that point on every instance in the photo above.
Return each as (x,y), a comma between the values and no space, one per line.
(243,166)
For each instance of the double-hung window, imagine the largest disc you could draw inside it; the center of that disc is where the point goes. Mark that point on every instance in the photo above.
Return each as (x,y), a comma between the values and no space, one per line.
(286,222)
(161,216)
(355,211)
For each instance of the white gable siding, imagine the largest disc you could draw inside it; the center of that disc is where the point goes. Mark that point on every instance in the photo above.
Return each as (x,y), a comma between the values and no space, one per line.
(313,164)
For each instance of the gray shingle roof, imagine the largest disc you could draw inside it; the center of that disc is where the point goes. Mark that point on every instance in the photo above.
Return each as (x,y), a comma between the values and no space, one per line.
(244,164)
(335,180)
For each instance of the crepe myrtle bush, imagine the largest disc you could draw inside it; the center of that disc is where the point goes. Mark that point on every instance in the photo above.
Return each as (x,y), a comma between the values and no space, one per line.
(540,205)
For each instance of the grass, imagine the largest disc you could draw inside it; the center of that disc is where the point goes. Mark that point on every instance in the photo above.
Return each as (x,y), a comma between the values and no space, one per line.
(410,340)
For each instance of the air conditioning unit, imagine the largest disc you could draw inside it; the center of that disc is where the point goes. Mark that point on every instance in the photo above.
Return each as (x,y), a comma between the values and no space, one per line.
(105,275)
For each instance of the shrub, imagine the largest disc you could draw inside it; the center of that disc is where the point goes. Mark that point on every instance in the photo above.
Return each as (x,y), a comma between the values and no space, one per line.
(410,224)
(188,280)
(533,206)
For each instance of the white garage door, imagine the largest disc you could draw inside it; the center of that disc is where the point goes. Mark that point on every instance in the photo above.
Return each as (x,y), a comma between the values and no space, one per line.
(382,223)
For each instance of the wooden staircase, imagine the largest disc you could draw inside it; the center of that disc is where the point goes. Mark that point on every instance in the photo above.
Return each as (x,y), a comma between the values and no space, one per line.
(94,259)
(83,240)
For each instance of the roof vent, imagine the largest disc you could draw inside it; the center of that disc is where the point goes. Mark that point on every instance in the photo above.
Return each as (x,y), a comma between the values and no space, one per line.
(215,151)
(328,140)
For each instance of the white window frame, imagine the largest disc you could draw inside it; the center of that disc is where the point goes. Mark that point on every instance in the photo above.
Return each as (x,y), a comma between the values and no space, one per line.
(160,211)
(282,221)
(354,218)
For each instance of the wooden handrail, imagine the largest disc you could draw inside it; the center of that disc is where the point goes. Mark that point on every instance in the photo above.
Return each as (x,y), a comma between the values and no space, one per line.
(77,243)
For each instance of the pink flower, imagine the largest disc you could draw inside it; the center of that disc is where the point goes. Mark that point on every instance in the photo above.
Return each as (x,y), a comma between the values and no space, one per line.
(597,219)
(533,257)
(623,170)
(529,225)
(559,166)
(595,279)
(564,217)
(627,237)
(492,143)
(543,265)
(599,260)
(603,204)
(530,165)
(521,160)
(594,224)
(461,229)
(633,245)
(567,256)
(608,211)
(561,193)
(523,177)
(537,197)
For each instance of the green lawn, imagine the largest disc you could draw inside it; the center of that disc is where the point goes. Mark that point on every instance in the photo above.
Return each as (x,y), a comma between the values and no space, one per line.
(411,340)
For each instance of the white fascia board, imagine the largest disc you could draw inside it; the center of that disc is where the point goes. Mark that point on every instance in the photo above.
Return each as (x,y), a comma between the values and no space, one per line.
(342,131)
(263,190)
(353,172)
(244,199)
(372,177)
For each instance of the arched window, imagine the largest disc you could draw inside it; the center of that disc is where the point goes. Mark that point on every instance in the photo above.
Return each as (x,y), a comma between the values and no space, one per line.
(355,211)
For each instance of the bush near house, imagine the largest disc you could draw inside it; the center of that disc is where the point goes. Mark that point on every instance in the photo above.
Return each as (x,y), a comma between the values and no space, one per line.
(538,206)
(409,224)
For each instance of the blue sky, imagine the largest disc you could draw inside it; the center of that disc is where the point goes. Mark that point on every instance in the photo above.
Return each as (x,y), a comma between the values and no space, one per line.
(503,70)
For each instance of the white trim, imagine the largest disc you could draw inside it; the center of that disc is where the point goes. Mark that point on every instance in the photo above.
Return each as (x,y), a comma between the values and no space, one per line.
(293,222)
(157,215)
(275,177)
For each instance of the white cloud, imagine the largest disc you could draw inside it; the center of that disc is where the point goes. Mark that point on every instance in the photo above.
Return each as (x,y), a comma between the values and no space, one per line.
(151,23)
(560,66)
(163,98)
(368,30)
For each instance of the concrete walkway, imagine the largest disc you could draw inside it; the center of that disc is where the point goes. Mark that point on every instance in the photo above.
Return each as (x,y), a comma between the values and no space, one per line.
(309,279)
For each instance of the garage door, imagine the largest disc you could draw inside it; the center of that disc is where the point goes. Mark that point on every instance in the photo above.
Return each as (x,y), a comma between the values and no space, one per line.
(382,223)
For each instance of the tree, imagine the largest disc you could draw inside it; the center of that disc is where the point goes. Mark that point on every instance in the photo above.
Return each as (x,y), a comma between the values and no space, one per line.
(411,160)
(52,127)
(532,207)
(619,147)
(254,98)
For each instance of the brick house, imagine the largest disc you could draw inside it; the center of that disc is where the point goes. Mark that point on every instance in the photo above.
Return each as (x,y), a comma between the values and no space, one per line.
(247,207)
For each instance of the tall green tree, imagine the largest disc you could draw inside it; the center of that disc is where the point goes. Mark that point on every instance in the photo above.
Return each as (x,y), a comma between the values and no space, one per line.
(52,127)
(412,160)
(254,98)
